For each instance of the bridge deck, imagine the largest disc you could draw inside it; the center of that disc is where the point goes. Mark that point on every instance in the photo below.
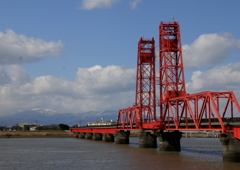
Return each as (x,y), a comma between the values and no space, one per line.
(205,125)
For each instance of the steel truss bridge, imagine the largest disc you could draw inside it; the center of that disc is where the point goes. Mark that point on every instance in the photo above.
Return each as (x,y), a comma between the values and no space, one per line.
(172,109)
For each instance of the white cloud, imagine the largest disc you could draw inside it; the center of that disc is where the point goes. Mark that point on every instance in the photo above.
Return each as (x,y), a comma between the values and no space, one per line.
(91,4)
(106,80)
(95,88)
(13,75)
(17,49)
(220,78)
(209,49)
(135,3)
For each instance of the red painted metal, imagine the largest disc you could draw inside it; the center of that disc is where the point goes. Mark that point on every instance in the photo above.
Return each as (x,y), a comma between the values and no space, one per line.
(144,108)
(200,111)
(172,83)
(94,130)
(236,132)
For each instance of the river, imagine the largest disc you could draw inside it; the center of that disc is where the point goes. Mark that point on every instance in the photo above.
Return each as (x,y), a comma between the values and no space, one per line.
(74,153)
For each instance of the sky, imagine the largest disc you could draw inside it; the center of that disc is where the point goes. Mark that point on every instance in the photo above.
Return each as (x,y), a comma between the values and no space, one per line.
(80,55)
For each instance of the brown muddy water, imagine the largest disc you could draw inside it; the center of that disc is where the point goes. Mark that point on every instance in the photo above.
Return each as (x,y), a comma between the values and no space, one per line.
(74,153)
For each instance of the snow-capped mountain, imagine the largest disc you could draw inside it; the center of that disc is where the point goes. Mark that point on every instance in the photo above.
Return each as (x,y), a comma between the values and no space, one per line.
(47,116)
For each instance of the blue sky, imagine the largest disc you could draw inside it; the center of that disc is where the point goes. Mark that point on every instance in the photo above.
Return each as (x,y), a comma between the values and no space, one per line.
(80,55)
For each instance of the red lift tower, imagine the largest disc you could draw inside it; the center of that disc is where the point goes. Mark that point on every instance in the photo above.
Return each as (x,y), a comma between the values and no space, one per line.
(144,108)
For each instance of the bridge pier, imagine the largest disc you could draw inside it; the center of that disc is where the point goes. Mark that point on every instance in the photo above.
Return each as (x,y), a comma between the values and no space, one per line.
(122,137)
(81,135)
(106,137)
(170,141)
(147,140)
(97,136)
(231,148)
(88,136)
(76,135)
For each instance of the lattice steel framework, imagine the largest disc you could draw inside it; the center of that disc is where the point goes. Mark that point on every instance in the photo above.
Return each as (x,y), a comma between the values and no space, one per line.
(171,71)
(144,108)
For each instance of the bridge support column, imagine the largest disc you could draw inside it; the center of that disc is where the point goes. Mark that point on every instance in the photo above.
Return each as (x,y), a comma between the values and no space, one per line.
(106,137)
(170,141)
(81,135)
(122,137)
(88,136)
(147,140)
(97,136)
(76,134)
(231,148)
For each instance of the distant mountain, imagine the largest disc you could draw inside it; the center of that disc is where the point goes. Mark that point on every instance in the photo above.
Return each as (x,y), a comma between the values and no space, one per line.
(47,116)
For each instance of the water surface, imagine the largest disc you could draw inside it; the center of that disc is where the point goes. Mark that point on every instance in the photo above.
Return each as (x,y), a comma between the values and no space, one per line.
(74,153)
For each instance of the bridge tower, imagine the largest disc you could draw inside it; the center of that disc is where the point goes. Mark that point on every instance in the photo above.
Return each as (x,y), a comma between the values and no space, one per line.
(144,108)
(145,98)
(171,70)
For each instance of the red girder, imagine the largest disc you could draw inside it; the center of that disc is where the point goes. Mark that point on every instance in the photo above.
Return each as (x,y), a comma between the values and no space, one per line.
(94,130)
(190,112)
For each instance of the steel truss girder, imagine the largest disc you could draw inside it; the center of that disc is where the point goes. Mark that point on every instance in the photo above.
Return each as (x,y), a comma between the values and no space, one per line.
(200,111)
(134,117)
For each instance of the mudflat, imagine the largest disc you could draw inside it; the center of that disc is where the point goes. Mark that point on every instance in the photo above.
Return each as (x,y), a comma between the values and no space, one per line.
(36,134)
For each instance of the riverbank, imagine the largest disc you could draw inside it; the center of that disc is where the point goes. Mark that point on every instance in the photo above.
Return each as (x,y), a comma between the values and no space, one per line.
(36,134)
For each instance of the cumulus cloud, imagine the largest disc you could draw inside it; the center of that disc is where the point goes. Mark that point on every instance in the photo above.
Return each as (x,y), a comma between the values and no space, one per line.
(135,3)
(91,4)
(17,49)
(106,80)
(220,78)
(94,89)
(209,49)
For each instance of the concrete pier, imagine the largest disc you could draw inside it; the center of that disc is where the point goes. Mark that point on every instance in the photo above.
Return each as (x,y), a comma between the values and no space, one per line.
(88,136)
(76,134)
(147,140)
(231,148)
(170,141)
(121,137)
(97,136)
(82,135)
(106,137)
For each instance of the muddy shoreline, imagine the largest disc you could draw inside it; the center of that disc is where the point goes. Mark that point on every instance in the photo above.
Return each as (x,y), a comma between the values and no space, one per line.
(35,134)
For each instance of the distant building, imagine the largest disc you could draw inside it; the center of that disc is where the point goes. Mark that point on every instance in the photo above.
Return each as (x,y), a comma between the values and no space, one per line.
(102,123)
(33,128)
(27,126)
(14,128)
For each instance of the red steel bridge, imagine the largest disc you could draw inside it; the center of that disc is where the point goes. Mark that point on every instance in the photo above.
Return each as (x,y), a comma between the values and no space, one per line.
(162,106)
(172,108)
